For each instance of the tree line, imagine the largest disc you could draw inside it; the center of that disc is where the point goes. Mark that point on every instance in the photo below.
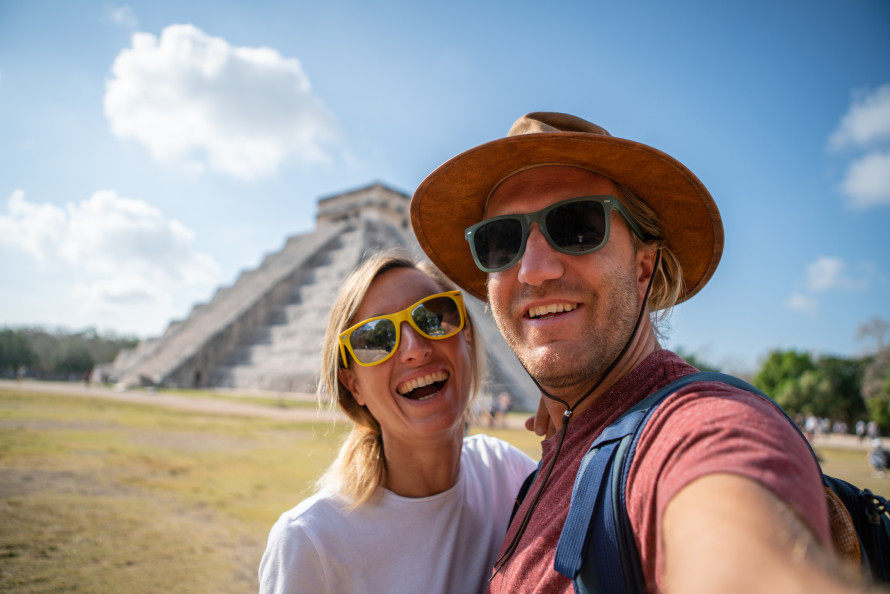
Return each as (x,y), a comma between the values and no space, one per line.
(57,354)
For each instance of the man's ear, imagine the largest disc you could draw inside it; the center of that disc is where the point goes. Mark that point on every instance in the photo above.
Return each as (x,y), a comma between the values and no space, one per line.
(645,258)
(347,378)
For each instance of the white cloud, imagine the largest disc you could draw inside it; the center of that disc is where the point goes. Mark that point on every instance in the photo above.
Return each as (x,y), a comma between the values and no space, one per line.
(109,234)
(802,303)
(866,121)
(866,125)
(867,182)
(122,15)
(123,250)
(124,291)
(240,111)
(827,273)
(34,228)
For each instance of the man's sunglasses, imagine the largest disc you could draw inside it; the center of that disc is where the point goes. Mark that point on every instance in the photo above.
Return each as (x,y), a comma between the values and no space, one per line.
(575,226)
(373,341)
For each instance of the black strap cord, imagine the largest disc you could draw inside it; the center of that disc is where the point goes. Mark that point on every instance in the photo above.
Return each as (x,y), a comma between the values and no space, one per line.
(567,415)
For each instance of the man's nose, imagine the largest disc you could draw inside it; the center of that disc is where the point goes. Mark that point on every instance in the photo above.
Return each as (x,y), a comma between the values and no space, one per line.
(540,262)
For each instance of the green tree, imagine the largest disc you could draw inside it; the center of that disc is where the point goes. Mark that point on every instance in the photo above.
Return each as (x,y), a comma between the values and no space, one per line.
(58,357)
(72,357)
(825,386)
(845,376)
(876,388)
(832,389)
(806,394)
(780,368)
(15,351)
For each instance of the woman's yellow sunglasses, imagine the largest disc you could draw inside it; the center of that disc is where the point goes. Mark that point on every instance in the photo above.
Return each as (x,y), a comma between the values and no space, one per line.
(373,341)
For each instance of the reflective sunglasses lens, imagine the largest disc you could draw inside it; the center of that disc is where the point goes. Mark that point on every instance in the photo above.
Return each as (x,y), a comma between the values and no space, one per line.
(373,341)
(437,317)
(577,226)
(498,242)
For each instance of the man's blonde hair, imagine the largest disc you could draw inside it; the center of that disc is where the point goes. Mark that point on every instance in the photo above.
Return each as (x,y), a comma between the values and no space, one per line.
(667,287)
(359,470)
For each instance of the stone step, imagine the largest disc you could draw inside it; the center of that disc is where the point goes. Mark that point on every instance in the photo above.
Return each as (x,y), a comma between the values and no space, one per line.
(243,377)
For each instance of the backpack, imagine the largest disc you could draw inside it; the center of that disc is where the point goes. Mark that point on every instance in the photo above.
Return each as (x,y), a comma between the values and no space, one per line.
(598,524)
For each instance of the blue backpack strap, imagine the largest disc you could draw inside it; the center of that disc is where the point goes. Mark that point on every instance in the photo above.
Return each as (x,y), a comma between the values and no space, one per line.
(589,502)
(597,522)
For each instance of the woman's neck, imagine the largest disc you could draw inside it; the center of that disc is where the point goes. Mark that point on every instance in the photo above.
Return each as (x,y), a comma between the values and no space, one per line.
(425,468)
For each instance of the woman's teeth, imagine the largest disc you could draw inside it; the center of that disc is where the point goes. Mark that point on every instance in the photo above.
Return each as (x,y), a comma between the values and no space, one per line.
(421,382)
(543,310)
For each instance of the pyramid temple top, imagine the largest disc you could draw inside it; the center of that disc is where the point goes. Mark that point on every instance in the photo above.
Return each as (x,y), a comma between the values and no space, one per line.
(376,201)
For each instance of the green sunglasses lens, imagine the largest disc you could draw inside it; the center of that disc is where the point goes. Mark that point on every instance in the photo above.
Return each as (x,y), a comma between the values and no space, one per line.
(577,227)
(373,341)
(497,243)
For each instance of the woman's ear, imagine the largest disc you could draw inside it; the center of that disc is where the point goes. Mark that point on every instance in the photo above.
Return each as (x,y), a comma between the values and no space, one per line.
(468,334)
(347,378)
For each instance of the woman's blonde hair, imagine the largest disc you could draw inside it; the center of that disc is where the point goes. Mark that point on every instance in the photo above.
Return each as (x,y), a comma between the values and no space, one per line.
(359,469)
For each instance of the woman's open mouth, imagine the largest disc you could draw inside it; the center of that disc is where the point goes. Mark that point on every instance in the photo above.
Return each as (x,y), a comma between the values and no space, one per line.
(424,387)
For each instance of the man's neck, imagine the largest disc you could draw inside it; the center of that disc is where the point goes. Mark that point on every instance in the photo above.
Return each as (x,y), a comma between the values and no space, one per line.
(643,345)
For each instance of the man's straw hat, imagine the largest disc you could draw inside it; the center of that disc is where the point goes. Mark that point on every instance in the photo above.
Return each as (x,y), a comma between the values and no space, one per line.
(455,195)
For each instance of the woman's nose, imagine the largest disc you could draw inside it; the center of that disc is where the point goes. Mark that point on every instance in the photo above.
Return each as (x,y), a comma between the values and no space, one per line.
(412,346)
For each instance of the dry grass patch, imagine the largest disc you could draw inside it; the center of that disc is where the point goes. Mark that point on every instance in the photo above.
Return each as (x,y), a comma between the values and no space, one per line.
(105,496)
(100,496)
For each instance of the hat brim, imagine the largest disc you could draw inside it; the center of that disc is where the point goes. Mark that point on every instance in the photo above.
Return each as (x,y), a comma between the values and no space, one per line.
(454,196)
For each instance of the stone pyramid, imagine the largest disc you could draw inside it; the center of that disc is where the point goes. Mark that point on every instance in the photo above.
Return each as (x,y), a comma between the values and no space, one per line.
(265,331)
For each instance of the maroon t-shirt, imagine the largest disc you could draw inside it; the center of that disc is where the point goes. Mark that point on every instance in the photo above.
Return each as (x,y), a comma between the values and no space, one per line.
(702,429)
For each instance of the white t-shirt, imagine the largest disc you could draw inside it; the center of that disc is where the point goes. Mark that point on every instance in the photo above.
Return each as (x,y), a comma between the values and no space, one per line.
(444,543)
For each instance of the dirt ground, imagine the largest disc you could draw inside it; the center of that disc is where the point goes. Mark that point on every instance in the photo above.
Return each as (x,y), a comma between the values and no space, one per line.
(221,405)
(224,401)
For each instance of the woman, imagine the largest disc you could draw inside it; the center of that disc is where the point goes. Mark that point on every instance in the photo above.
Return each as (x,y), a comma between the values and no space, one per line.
(409,505)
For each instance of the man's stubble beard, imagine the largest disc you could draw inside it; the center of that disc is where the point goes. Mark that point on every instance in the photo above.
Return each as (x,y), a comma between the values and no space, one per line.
(615,313)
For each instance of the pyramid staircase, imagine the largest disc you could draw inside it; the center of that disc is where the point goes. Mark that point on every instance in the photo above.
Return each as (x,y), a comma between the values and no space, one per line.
(264,332)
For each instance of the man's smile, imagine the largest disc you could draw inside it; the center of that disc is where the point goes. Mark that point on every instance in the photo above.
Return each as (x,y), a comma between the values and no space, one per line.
(541,311)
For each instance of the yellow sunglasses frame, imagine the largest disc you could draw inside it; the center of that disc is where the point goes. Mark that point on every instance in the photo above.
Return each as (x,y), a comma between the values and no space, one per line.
(397,318)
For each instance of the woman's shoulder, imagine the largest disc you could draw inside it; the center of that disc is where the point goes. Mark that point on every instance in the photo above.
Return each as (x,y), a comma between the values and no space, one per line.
(486,449)
(482,442)
(318,510)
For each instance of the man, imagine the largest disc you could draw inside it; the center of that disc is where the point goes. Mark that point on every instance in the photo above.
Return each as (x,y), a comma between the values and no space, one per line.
(574,237)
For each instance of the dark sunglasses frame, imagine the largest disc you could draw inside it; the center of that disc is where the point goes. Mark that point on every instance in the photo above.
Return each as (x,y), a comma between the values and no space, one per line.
(540,217)
(397,318)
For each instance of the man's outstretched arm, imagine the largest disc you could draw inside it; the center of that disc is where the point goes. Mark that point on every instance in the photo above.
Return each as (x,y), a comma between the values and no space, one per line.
(726,533)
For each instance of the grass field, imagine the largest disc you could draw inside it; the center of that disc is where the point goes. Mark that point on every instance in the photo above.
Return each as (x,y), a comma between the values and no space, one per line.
(103,496)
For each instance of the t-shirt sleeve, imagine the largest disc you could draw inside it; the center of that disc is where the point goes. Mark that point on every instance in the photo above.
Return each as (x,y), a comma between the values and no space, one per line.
(506,462)
(521,465)
(709,428)
(291,563)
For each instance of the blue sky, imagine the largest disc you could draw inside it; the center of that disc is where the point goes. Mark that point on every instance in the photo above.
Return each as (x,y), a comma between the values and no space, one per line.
(150,151)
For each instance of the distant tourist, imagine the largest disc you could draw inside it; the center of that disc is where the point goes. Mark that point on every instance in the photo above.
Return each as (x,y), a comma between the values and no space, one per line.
(860,430)
(878,457)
